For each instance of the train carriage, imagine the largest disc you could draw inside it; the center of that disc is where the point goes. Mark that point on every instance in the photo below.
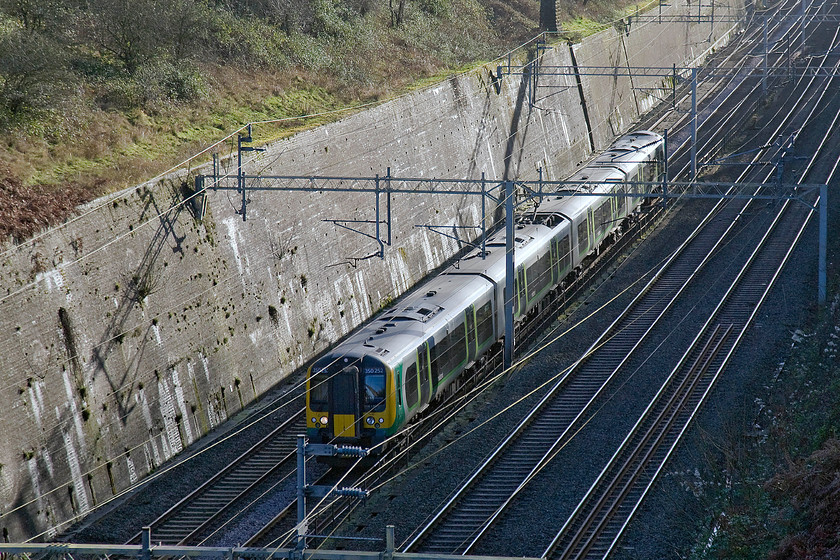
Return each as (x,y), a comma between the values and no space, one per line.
(367,388)
(392,369)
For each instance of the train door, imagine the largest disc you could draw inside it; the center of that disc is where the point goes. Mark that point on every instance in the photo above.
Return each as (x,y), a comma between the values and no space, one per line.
(583,235)
(619,203)
(344,396)
(434,365)
(472,340)
(563,264)
(630,202)
(424,373)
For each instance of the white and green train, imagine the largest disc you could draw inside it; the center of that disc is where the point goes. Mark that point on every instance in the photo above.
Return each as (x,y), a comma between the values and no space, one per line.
(370,386)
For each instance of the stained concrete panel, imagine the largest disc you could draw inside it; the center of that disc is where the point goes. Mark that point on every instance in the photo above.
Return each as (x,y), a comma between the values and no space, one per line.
(615,97)
(609,98)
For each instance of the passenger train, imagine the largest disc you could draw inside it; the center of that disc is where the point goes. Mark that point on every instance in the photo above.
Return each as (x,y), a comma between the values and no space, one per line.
(370,386)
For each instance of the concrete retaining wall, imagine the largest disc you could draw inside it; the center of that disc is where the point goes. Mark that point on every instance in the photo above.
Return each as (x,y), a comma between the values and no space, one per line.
(134,329)
(614,101)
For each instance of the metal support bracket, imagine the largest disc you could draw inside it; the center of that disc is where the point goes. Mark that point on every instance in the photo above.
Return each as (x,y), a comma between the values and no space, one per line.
(344,224)
(305,490)
(240,174)
(377,236)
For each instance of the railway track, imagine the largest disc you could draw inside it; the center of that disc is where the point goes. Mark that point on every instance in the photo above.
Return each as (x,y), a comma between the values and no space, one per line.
(593,530)
(474,508)
(462,522)
(203,510)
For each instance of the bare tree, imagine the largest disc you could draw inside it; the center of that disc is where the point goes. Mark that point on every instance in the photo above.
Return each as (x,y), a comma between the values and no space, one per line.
(136,32)
(397,13)
(33,76)
(34,15)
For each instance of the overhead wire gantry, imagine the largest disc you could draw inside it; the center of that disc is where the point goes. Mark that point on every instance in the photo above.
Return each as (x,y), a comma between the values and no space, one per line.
(500,193)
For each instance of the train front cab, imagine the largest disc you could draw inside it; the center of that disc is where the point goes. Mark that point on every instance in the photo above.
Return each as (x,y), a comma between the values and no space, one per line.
(350,400)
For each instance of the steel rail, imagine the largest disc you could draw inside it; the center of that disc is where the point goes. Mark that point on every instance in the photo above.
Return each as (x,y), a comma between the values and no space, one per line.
(634,460)
(585,536)
(193,512)
(459,495)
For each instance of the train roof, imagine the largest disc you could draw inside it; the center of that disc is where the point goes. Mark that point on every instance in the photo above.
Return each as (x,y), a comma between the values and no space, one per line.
(527,239)
(636,140)
(429,308)
(422,313)
(613,165)
(626,149)
(591,178)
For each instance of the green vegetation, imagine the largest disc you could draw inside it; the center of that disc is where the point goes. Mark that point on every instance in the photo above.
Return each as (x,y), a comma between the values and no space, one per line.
(583,26)
(779,487)
(97,95)
(106,93)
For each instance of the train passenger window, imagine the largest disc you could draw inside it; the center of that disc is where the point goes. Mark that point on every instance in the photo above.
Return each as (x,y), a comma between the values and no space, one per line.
(603,217)
(539,275)
(583,238)
(484,323)
(375,391)
(412,390)
(458,352)
(451,351)
(564,252)
(319,391)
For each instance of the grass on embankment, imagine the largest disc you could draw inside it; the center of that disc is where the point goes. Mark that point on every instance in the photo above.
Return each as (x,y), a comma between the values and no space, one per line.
(104,117)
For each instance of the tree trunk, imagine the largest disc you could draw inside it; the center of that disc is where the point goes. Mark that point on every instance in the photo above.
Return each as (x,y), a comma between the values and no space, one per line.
(396,14)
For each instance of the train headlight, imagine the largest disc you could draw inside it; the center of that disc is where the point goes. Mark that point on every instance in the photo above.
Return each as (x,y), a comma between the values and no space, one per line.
(369,420)
(314,420)
(381,420)
(324,420)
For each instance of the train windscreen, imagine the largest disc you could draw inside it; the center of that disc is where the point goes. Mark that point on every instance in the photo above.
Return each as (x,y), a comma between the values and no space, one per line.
(375,391)
(319,390)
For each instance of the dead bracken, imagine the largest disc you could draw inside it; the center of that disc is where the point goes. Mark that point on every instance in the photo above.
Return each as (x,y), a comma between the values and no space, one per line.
(26,210)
